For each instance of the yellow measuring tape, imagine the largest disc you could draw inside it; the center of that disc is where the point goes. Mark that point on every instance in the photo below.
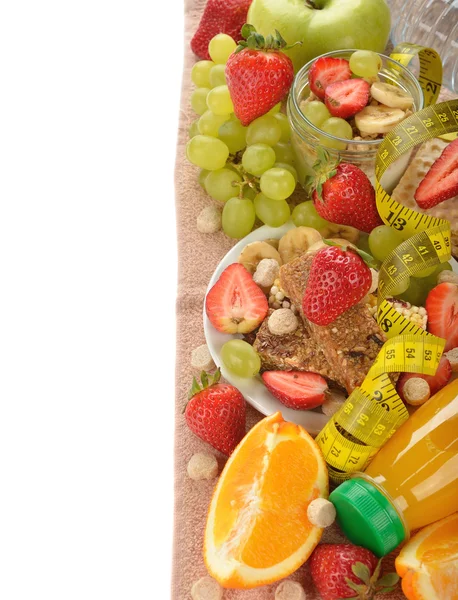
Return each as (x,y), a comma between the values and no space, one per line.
(374,411)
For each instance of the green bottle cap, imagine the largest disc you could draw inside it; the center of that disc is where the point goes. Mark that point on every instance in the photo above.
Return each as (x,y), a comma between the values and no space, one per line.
(367,517)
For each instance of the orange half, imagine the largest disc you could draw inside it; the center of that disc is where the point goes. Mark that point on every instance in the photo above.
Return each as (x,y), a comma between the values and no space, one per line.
(428,563)
(257,528)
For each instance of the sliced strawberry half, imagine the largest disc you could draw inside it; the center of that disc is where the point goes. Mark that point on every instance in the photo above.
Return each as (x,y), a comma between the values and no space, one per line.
(441,181)
(435,382)
(442,307)
(235,304)
(296,389)
(327,70)
(345,98)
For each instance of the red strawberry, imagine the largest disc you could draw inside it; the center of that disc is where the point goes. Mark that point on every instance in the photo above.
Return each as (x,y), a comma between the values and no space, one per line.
(296,389)
(235,304)
(216,413)
(258,76)
(442,308)
(343,194)
(441,181)
(219,16)
(338,279)
(435,382)
(345,98)
(327,70)
(347,571)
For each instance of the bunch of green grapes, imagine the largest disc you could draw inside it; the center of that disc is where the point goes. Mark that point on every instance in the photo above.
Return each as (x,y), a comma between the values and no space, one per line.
(249,169)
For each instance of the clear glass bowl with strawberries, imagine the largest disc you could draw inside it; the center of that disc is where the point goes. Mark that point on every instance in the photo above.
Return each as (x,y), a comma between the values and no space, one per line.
(346,101)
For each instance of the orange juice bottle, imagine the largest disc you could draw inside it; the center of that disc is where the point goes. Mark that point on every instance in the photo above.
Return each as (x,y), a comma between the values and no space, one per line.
(411,482)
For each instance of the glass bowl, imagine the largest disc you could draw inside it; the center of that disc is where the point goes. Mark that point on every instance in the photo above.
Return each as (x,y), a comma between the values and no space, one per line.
(305,137)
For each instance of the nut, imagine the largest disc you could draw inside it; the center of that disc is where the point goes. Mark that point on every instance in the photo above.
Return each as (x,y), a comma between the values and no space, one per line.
(416,391)
(253,253)
(296,242)
(266,272)
(452,356)
(447,277)
(202,466)
(209,220)
(201,359)
(333,401)
(290,590)
(206,588)
(321,512)
(374,284)
(282,322)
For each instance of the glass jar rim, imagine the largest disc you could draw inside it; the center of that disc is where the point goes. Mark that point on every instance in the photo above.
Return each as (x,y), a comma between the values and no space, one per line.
(370,144)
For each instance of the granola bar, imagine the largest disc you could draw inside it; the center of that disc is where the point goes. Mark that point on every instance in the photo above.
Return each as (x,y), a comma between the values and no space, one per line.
(351,343)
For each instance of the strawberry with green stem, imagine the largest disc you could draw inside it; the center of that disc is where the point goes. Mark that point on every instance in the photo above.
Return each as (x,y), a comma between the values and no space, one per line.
(346,571)
(216,412)
(342,193)
(259,75)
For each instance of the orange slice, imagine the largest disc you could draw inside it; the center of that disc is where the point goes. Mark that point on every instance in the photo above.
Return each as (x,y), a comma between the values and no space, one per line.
(257,528)
(428,563)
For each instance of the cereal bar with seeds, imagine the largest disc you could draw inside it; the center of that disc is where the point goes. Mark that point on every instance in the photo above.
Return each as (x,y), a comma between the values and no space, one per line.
(351,343)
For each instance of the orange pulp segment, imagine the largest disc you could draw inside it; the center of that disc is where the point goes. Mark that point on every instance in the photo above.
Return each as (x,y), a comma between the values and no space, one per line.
(257,528)
(428,563)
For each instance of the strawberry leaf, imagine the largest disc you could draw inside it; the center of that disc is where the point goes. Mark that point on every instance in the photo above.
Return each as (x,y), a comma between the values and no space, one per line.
(195,389)
(216,376)
(389,580)
(376,573)
(360,589)
(247,30)
(204,379)
(362,572)
(387,590)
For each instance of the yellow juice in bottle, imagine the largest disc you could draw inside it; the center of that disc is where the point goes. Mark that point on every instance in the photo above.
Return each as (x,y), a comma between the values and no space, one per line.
(411,482)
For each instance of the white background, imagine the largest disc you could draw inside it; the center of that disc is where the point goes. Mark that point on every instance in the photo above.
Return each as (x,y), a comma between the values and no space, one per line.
(89,104)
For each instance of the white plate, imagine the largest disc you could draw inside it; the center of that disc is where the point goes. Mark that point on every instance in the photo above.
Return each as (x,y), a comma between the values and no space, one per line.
(253,388)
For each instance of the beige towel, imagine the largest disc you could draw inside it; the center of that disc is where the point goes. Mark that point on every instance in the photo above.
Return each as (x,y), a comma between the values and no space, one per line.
(198,256)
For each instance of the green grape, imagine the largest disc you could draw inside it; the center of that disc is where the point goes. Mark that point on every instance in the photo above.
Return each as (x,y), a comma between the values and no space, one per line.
(288,167)
(219,100)
(365,63)
(284,152)
(277,184)
(200,73)
(258,158)
(339,128)
(305,214)
(209,123)
(249,192)
(264,130)
(271,212)
(274,110)
(383,240)
(416,292)
(431,280)
(220,184)
(199,100)
(233,134)
(316,112)
(202,177)
(285,127)
(217,75)
(194,128)
(207,152)
(238,217)
(240,358)
(221,47)
(400,288)
(425,272)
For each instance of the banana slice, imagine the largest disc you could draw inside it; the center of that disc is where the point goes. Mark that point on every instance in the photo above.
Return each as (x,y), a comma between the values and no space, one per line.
(296,242)
(378,119)
(253,253)
(391,96)
(273,242)
(350,234)
(316,246)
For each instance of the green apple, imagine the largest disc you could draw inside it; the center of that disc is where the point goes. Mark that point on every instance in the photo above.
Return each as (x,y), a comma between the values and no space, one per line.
(323,25)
